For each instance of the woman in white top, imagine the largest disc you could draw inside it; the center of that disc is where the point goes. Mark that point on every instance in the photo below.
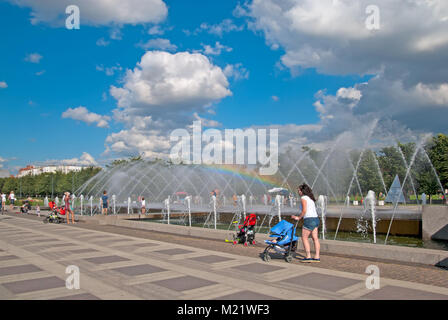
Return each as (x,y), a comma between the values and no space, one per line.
(310,223)
(3,202)
(12,199)
(143,206)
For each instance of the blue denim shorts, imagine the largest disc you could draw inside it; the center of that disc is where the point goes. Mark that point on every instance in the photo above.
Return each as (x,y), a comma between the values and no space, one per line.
(311,223)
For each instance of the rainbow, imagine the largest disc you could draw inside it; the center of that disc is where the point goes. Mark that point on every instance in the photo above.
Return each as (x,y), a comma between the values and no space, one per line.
(240,171)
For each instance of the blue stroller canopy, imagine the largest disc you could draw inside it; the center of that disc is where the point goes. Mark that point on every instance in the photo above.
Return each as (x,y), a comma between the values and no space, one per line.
(282,228)
(283,231)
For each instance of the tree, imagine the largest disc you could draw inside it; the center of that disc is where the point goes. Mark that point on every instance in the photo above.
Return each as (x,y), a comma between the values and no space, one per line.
(437,150)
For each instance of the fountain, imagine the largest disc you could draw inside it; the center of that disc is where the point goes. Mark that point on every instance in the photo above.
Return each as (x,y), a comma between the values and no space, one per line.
(243,203)
(278,204)
(188,200)
(322,208)
(46,201)
(343,172)
(370,206)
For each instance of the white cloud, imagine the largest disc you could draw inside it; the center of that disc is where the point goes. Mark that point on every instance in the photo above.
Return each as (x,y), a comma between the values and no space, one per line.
(437,94)
(333,38)
(163,92)
(275,98)
(207,122)
(85,160)
(82,114)
(33,58)
(236,71)
(3,85)
(159,44)
(101,42)
(98,12)
(39,73)
(156,30)
(109,71)
(133,141)
(164,82)
(349,93)
(406,56)
(219,29)
(2,160)
(216,50)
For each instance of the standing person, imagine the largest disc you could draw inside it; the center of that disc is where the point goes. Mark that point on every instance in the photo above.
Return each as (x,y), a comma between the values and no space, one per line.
(38,210)
(3,202)
(12,199)
(143,204)
(310,223)
(68,209)
(105,202)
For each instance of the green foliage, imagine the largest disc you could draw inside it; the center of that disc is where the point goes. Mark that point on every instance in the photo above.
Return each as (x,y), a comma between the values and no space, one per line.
(438,153)
(47,184)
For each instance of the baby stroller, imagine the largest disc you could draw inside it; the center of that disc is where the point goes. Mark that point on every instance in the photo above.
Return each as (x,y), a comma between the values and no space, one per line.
(54,217)
(246,233)
(285,241)
(25,207)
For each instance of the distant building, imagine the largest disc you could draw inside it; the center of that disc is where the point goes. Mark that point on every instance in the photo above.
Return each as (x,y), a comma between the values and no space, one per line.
(35,171)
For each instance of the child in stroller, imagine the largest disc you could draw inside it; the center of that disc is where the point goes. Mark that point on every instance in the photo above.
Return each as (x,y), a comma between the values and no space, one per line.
(246,233)
(284,242)
(25,207)
(54,217)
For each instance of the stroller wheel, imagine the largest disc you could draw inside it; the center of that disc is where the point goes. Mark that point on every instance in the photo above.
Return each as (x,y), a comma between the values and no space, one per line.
(266,257)
(288,258)
(235,242)
(45,220)
(253,242)
(245,244)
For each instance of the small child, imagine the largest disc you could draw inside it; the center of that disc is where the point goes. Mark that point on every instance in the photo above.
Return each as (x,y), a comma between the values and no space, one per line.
(38,210)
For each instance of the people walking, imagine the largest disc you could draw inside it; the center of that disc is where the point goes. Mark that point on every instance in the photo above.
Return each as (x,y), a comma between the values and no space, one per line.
(3,202)
(105,203)
(310,223)
(143,206)
(68,209)
(12,199)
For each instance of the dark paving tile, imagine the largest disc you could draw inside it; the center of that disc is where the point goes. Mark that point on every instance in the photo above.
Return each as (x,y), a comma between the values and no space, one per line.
(173,252)
(96,237)
(82,296)
(26,268)
(246,295)
(184,283)
(44,240)
(78,251)
(399,293)
(322,281)
(139,270)
(108,243)
(24,286)
(134,247)
(211,259)
(107,259)
(10,257)
(258,268)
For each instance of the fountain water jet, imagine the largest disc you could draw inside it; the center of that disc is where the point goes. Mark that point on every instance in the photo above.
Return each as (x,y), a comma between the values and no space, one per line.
(370,206)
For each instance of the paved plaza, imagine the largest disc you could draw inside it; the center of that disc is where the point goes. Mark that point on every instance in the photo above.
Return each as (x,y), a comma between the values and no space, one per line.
(126,265)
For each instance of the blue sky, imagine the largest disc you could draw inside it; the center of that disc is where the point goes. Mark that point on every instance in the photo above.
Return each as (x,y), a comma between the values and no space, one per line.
(68,75)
